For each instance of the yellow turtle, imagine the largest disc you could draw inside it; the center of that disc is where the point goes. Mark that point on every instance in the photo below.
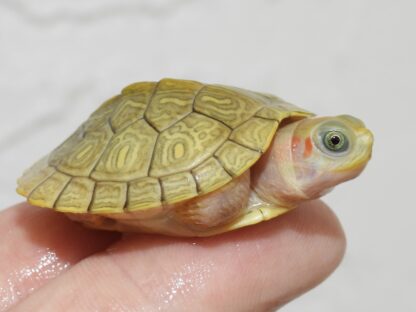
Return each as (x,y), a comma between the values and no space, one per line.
(184,158)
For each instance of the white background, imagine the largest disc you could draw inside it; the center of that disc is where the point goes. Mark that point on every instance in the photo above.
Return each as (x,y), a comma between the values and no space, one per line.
(60,59)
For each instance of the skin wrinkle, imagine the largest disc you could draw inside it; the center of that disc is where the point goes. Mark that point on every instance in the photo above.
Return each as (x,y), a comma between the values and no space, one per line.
(86,277)
(156,286)
(141,295)
(149,281)
(148,284)
(335,243)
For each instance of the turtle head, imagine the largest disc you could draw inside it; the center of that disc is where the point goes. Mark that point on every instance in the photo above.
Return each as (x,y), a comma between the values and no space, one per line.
(326,151)
(309,157)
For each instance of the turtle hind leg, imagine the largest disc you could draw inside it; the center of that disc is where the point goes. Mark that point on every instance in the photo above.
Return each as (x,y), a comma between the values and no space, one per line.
(217,208)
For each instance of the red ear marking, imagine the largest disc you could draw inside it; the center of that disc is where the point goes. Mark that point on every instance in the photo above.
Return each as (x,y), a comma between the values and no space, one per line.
(295,143)
(308,147)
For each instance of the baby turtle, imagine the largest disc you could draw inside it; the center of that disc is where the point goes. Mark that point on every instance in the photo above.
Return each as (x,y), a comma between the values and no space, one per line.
(183,158)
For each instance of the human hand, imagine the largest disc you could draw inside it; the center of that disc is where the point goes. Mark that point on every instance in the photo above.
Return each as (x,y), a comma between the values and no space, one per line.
(49,263)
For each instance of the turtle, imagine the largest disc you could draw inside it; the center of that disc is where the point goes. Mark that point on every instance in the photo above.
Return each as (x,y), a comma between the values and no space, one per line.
(185,158)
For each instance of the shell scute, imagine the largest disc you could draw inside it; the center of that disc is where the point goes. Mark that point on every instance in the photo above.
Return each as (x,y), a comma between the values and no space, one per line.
(34,176)
(255,133)
(172,101)
(186,144)
(138,87)
(46,194)
(210,175)
(143,194)
(131,107)
(278,109)
(128,154)
(62,150)
(109,197)
(227,105)
(76,196)
(236,159)
(178,187)
(101,117)
(80,158)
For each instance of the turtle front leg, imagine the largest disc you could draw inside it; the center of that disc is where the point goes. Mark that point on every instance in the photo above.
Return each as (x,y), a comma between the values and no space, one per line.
(217,208)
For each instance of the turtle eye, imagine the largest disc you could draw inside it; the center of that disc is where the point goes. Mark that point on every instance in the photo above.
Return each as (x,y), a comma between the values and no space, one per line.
(335,141)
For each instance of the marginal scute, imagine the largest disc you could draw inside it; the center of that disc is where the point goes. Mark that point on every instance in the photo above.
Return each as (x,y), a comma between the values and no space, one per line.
(271,113)
(34,176)
(210,175)
(187,144)
(279,109)
(128,154)
(235,158)
(231,107)
(109,197)
(81,158)
(46,194)
(143,194)
(178,187)
(172,101)
(131,108)
(76,196)
(255,133)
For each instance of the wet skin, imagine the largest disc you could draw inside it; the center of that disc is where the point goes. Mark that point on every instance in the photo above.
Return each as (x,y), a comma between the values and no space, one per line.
(50,263)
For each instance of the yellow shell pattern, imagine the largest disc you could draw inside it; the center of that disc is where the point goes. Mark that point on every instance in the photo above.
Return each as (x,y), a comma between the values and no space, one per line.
(156,143)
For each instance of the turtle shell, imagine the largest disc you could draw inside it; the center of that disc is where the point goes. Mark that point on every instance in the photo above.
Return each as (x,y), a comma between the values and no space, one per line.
(156,143)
